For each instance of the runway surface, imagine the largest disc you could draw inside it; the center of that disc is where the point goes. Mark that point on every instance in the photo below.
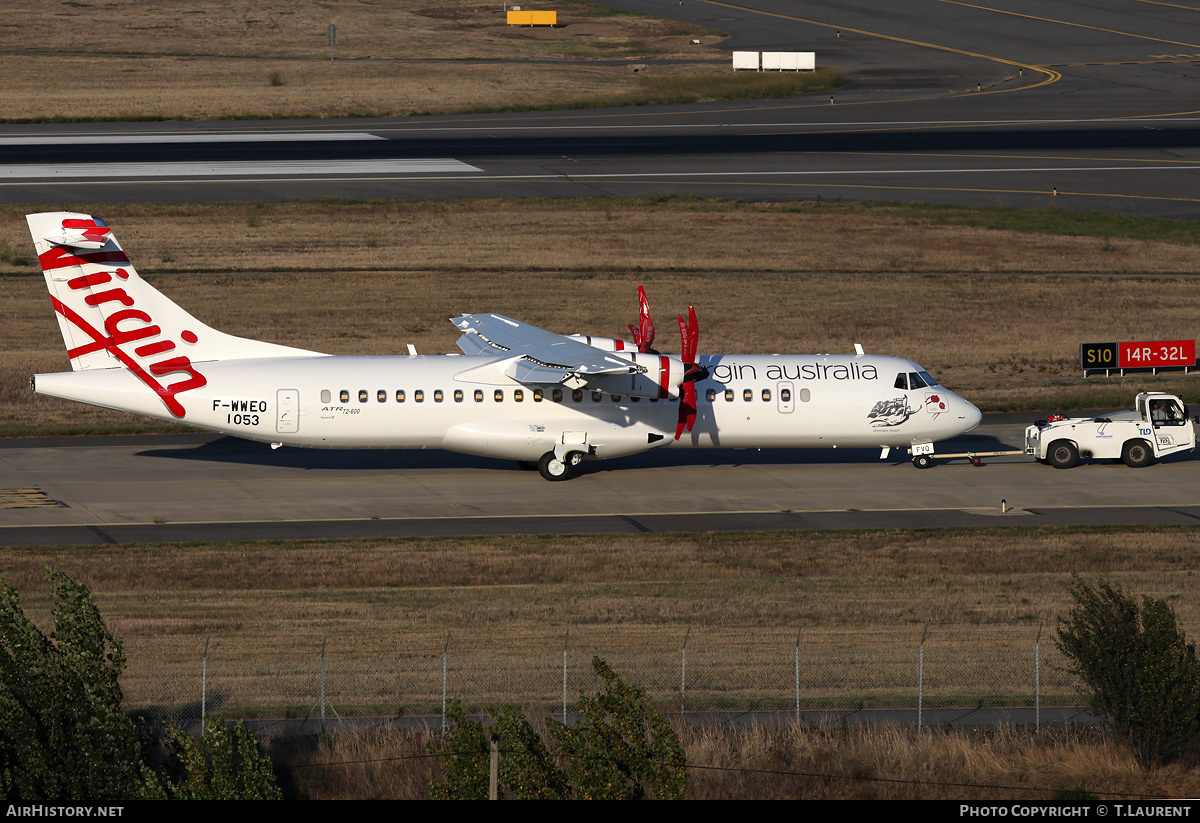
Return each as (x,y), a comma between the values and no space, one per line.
(197,487)
(1073,105)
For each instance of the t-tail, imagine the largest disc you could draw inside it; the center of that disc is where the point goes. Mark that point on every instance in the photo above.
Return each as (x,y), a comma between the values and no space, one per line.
(116,325)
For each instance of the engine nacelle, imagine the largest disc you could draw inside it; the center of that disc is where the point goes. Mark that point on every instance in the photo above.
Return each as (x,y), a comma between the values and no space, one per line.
(661,378)
(606,343)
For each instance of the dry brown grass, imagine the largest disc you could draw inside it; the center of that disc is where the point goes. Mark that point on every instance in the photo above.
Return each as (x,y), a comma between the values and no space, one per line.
(441,29)
(353,271)
(522,585)
(778,762)
(186,88)
(177,59)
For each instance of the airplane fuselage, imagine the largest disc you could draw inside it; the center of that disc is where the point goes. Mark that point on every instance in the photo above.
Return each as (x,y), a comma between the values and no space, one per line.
(747,401)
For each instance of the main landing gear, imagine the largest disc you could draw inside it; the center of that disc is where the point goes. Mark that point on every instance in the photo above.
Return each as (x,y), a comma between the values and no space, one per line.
(552,468)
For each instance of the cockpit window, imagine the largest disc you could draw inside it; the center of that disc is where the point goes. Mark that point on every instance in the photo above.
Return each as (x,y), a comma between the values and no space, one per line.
(929,379)
(902,381)
(915,381)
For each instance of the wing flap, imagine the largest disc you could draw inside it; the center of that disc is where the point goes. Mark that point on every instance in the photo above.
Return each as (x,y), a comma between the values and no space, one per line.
(546,357)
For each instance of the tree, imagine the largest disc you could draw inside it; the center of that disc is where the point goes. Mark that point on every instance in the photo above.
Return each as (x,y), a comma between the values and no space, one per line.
(224,764)
(526,772)
(622,750)
(1139,670)
(63,735)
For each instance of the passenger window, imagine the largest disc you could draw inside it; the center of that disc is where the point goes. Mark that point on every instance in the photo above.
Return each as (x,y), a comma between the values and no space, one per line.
(458,395)
(577,395)
(362,395)
(902,381)
(747,395)
(805,395)
(326,395)
(419,396)
(537,395)
(438,396)
(498,396)
(345,396)
(766,395)
(785,395)
(596,396)
(634,399)
(400,395)
(556,395)
(729,395)
(616,398)
(479,395)
(710,395)
(381,396)
(518,395)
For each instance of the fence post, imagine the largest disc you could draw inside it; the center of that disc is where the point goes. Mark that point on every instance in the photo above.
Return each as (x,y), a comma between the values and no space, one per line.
(798,630)
(445,651)
(322,686)
(921,678)
(204,684)
(1037,678)
(566,640)
(683,670)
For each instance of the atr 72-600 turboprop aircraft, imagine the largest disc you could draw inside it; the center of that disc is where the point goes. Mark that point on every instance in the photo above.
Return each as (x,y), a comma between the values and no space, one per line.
(517,392)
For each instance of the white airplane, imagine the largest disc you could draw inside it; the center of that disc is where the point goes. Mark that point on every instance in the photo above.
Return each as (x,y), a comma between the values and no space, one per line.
(516,392)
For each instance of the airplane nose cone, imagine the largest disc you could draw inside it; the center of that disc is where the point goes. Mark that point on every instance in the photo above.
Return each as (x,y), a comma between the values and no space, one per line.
(971,416)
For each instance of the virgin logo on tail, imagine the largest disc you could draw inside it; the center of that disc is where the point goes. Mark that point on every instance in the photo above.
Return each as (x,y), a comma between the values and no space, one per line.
(125,326)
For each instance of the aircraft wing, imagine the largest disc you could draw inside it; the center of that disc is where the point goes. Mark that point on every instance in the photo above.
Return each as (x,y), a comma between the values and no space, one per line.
(542,356)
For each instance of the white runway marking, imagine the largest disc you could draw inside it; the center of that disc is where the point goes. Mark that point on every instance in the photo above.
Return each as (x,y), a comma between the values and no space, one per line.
(235,168)
(127,138)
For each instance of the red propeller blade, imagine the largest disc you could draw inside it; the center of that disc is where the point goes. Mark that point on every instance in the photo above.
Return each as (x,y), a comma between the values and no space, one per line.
(643,335)
(689,334)
(687,410)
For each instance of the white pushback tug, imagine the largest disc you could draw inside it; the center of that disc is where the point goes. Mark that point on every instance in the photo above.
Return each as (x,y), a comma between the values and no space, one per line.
(1156,427)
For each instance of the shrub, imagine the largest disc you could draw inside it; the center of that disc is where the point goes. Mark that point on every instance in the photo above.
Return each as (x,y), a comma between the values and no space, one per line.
(1139,671)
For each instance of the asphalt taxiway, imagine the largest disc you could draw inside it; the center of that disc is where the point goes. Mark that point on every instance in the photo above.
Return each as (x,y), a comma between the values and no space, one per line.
(200,487)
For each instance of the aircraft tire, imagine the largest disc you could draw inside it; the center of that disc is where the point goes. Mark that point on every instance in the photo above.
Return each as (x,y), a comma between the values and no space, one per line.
(1062,454)
(551,468)
(1137,453)
(923,461)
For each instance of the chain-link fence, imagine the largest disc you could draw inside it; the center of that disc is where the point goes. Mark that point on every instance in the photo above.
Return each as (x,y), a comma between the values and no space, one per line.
(698,669)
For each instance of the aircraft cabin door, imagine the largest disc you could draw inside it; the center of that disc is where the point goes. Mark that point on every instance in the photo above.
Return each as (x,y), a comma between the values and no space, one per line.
(287,411)
(787,400)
